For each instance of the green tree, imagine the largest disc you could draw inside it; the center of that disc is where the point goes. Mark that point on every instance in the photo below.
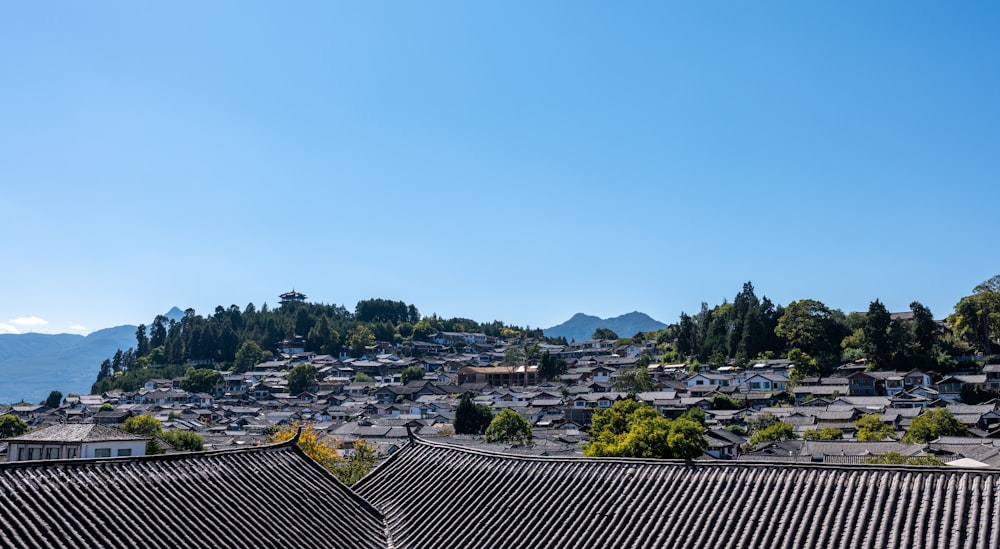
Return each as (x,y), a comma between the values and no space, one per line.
(185,441)
(631,429)
(877,341)
(604,333)
(106,407)
(12,426)
(977,317)
(510,427)
(634,379)
(361,377)
(200,380)
(550,367)
(300,377)
(412,373)
(54,400)
(816,330)
(775,432)
(871,428)
(422,331)
(359,340)
(803,365)
(726,402)
(249,355)
(826,433)
(760,421)
(931,424)
(471,418)
(145,425)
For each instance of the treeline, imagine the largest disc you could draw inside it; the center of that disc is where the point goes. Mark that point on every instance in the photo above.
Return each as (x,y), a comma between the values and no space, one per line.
(818,339)
(239,339)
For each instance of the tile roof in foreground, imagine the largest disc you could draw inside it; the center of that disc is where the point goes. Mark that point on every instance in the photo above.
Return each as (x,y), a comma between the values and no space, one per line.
(270,496)
(439,495)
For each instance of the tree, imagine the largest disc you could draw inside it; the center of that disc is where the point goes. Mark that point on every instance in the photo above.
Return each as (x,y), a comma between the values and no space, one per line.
(471,418)
(977,317)
(931,424)
(631,429)
(359,340)
(300,377)
(725,402)
(145,425)
(509,426)
(761,421)
(248,356)
(361,377)
(186,441)
(871,428)
(54,400)
(604,333)
(325,450)
(12,426)
(361,460)
(812,327)
(775,432)
(877,340)
(200,380)
(550,367)
(826,433)
(632,380)
(803,365)
(412,373)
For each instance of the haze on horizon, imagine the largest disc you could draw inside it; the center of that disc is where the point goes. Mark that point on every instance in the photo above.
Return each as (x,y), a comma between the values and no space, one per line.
(520,162)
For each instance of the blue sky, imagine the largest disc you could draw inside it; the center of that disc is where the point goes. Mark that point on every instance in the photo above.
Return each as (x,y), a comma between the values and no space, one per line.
(519,161)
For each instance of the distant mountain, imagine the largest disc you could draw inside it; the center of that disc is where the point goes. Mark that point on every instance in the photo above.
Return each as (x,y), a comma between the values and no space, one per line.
(32,365)
(174,314)
(581,327)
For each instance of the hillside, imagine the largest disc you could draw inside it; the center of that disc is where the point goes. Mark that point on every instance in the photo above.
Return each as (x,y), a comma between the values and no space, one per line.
(581,327)
(32,365)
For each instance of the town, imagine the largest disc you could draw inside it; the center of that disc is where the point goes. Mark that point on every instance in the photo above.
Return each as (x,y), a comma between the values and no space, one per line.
(760,411)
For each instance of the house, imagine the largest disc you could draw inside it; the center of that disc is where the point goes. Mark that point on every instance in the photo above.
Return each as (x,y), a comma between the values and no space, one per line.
(766,382)
(75,440)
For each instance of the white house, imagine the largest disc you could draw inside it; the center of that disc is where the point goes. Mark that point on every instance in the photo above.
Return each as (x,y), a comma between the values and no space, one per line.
(75,440)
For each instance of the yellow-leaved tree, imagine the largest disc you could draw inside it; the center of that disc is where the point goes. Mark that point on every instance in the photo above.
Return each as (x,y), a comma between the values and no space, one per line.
(326,451)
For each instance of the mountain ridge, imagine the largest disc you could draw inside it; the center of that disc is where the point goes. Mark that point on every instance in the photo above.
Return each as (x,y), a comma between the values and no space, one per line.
(581,326)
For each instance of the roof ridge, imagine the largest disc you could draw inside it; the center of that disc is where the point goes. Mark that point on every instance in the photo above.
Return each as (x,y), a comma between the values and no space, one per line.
(416,441)
(148,457)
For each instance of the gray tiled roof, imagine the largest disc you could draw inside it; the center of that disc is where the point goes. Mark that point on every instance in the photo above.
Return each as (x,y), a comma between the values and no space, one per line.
(272,496)
(496,500)
(76,432)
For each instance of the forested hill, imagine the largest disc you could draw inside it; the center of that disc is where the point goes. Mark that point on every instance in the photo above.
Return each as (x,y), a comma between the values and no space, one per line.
(32,365)
(581,327)
(240,338)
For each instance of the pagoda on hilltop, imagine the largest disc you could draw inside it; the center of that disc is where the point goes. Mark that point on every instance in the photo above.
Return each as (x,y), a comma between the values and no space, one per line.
(288,298)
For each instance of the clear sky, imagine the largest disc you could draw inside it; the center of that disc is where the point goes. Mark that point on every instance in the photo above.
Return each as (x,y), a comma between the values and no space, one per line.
(517,161)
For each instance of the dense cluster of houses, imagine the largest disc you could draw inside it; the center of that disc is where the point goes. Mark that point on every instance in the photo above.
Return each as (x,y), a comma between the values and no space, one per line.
(245,406)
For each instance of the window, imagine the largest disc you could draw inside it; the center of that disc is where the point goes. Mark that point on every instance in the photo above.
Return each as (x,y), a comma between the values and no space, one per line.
(71,453)
(604,403)
(52,453)
(34,453)
(124,452)
(102,452)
